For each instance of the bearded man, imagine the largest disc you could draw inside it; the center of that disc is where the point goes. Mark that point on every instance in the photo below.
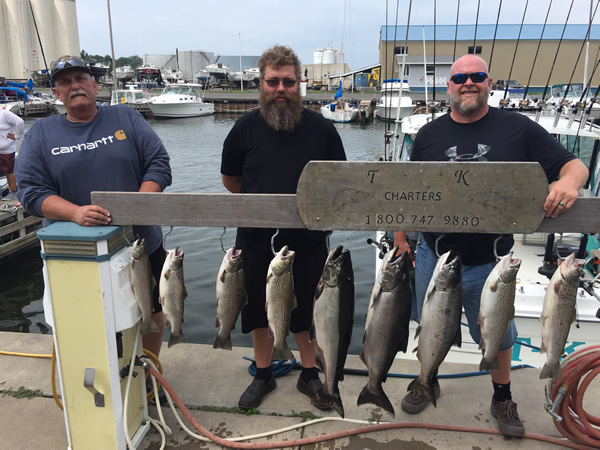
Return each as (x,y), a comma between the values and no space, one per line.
(265,153)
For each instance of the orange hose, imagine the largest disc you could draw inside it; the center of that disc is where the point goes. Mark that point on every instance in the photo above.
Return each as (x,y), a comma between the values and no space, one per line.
(578,425)
(342,434)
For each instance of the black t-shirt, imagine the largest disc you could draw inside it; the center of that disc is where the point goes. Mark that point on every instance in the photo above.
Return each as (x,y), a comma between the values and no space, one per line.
(498,136)
(270,162)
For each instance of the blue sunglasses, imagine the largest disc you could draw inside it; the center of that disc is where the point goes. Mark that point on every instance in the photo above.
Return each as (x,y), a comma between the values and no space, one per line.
(461,78)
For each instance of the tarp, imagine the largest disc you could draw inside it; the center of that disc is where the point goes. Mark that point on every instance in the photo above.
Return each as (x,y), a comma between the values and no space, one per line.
(339,93)
(16,91)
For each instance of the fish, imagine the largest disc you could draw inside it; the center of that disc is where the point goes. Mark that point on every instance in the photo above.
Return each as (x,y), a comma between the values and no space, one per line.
(439,328)
(231,296)
(386,330)
(558,313)
(280,301)
(497,309)
(143,283)
(333,319)
(172,293)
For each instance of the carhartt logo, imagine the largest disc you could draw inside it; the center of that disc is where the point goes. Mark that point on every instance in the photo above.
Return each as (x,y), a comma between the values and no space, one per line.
(120,135)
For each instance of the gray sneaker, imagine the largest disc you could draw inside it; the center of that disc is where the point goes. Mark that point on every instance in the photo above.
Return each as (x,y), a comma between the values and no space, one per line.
(414,402)
(508,418)
(12,195)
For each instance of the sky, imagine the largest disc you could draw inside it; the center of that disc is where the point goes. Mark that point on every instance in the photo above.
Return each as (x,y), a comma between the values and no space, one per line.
(231,27)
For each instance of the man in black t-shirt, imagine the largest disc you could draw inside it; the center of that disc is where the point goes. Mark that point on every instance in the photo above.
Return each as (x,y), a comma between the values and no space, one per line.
(265,153)
(473,131)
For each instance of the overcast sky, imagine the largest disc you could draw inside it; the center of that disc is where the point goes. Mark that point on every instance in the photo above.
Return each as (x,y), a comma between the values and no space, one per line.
(226,26)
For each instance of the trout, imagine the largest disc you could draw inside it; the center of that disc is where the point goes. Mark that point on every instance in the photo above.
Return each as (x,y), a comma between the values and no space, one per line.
(172,294)
(143,284)
(231,296)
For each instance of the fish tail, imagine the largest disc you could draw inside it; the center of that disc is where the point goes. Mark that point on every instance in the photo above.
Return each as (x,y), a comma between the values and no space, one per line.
(336,404)
(179,339)
(223,342)
(378,398)
(282,353)
(425,389)
(553,371)
(149,326)
(489,365)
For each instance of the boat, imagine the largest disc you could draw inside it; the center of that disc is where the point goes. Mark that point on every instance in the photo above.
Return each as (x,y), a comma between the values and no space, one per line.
(202,77)
(573,96)
(99,70)
(148,71)
(530,248)
(219,71)
(125,73)
(180,100)
(340,110)
(238,77)
(127,96)
(172,75)
(395,101)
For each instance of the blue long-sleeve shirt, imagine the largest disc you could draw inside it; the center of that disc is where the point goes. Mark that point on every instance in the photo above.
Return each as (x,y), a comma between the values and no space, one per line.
(115,151)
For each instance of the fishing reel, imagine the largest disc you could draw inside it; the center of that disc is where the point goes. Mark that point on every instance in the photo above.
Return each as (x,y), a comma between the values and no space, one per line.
(560,250)
(384,245)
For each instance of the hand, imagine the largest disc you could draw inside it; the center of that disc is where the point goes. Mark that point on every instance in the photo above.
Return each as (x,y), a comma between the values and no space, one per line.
(402,243)
(91,216)
(561,198)
(11,136)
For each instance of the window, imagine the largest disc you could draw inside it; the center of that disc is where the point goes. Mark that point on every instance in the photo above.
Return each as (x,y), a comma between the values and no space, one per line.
(401,50)
(475,50)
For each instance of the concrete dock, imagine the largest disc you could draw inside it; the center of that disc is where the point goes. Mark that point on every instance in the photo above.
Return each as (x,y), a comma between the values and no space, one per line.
(209,380)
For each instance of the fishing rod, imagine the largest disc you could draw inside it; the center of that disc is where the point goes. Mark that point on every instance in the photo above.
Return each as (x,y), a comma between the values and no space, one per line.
(525,102)
(504,102)
(434,52)
(564,102)
(542,103)
(476,23)
(581,103)
(589,110)
(387,110)
(37,31)
(456,31)
(494,41)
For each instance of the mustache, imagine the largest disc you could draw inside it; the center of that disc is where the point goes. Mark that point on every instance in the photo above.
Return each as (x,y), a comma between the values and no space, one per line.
(79,92)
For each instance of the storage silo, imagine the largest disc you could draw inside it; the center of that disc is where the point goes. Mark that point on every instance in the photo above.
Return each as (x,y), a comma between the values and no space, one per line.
(66,28)
(318,56)
(5,54)
(329,56)
(15,41)
(339,57)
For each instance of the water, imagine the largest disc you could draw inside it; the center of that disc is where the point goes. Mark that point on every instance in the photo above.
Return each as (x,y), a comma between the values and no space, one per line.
(195,146)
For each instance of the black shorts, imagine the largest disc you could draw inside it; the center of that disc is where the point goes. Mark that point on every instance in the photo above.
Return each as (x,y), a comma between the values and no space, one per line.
(157,260)
(307,269)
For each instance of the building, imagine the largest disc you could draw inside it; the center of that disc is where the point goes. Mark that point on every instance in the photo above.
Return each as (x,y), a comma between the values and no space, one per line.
(20,48)
(480,40)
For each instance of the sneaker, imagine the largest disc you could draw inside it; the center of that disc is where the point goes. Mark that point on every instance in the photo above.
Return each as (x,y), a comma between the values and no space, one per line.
(254,394)
(508,418)
(12,195)
(314,390)
(414,402)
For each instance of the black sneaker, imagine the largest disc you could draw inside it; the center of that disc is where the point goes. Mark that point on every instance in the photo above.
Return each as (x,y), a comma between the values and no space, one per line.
(414,402)
(254,394)
(314,390)
(508,418)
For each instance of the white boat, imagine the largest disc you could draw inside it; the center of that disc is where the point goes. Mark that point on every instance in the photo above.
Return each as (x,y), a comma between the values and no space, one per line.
(218,71)
(180,100)
(202,76)
(125,73)
(127,96)
(557,94)
(394,100)
(530,248)
(340,111)
(172,75)
(238,77)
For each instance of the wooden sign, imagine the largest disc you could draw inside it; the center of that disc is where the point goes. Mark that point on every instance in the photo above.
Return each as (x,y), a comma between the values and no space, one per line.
(478,197)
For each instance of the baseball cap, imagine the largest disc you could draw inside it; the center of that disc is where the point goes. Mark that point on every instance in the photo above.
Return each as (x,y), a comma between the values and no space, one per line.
(67,62)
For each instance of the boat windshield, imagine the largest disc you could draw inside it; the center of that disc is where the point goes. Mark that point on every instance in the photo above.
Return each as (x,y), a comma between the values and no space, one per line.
(179,89)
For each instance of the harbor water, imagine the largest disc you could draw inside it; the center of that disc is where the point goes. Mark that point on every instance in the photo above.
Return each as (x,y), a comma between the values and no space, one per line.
(194,146)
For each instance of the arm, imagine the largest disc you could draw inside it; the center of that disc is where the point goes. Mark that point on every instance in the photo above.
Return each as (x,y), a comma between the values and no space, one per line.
(232,184)
(571,178)
(57,208)
(18,124)
(401,242)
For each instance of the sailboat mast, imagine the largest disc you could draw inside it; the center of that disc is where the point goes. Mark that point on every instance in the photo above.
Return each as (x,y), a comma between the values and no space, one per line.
(112,47)
(241,70)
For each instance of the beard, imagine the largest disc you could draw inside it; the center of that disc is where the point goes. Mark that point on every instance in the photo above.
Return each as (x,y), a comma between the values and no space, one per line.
(468,106)
(281,115)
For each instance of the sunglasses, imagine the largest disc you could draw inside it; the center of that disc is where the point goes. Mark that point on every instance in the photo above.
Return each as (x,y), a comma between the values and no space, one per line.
(461,78)
(64,64)
(287,82)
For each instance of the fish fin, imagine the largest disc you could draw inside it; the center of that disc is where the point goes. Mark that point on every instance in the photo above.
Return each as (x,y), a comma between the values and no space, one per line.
(403,346)
(222,276)
(176,339)
(224,343)
(319,363)
(161,299)
(337,405)
(319,289)
(481,343)
(425,389)
(457,338)
(512,312)
(418,331)
(574,315)
(294,303)
(245,300)
(149,326)
(362,358)
(553,371)
(269,331)
(493,286)
(282,354)
(480,319)
(543,348)
(312,334)
(167,274)
(153,282)
(556,286)
(185,294)
(217,323)
(489,365)
(378,398)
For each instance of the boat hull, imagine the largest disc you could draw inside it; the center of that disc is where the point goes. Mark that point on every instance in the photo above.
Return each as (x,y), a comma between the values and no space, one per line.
(181,110)
(387,113)
(340,115)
